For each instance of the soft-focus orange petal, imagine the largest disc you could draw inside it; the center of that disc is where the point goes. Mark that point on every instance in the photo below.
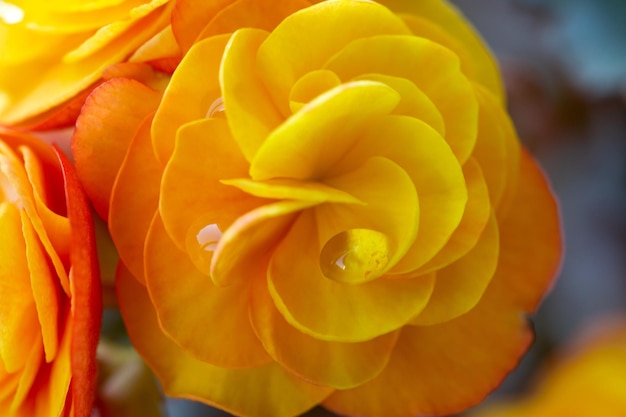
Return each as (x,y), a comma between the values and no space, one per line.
(266,391)
(311,142)
(86,297)
(440,15)
(530,240)
(460,285)
(432,68)
(197,307)
(442,369)
(205,153)
(189,18)
(301,44)
(366,310)
(202,62)
(339,365)
(104,130)
(135,199)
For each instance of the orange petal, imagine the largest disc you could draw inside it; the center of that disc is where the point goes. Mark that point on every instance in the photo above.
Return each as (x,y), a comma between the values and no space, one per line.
(196,306)
(104,130)
(328,310)
(192,195)
(189,18)
(251,14)
(135,199)
(18,313)
(444,368)
(530,230)
(460,285)
(442,22)
(26,379)
(339,365)
(202,62)
(440,77)
(236,391)
(311,142)
(86,296)
(300,44)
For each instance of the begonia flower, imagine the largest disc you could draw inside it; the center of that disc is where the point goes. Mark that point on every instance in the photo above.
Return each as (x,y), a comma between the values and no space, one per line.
(54,50)
(327,204)
(50,301)
(587,380)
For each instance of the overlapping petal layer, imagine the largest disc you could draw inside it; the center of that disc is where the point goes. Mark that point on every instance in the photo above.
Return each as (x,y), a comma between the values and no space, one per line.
(333,204)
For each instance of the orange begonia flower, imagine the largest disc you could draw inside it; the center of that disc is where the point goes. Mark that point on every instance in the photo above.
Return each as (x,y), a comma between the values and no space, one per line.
(50,300)
(327,204)
(588,381)
(53,50)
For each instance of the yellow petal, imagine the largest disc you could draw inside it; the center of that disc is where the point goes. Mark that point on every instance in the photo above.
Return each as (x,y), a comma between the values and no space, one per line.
(301,44)
(460,285)
(391,206)
(189,17)
(134,200)
(474,219)
(328,310)
(200,65)
(250,239)
(442,22)
(236,391)
(339,365)
(192,195)
(312,141)
(432,68)
(434,171)
(196,306)
(251,113)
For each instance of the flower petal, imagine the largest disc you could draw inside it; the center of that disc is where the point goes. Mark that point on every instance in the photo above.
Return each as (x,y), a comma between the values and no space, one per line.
(251,113)
(530,230)
(445,368)
(202,62)
(266,391)
(189,17)
(311,142)
(289,52)
(104,130)
(432,68)
(196,306)
(205,154)
(334,364)
(460,285)
(134,200)
(367,310)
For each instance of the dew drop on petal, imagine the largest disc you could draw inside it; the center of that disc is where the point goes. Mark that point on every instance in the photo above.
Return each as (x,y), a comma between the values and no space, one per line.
(355,256)
(201,242)
(216,109)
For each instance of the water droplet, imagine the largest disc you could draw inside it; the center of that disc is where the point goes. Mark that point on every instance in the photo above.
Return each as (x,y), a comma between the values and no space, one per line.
(355,256)
(201,242)
(10,13)
(216,110)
